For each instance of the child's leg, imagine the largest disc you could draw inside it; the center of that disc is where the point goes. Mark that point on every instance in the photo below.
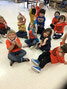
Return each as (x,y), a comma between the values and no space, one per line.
(8,28)
(21,53)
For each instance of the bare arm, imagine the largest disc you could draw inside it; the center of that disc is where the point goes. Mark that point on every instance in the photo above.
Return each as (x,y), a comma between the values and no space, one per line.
(44,41)
(12,46)
(18,44)
(64,38)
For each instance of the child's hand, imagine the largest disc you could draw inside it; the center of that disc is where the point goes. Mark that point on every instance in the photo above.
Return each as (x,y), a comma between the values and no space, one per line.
(39,45)
(13,42)
(32,6)
(16,42)
(46,39)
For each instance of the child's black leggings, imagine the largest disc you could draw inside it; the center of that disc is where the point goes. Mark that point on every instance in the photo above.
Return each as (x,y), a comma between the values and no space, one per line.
(43,59)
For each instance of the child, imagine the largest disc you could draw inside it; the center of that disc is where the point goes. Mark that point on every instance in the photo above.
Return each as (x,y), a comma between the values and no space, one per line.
(54,56)
(45,43)
(32,13)
(21,26)
(40,21)
(14,46)
(41,6)
(32,36)
(55,19)
(59,27)
(3,27)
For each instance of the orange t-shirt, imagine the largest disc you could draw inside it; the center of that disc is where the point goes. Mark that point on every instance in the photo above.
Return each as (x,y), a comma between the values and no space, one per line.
(16,48)
(54,20)
(55,57)
(59,27)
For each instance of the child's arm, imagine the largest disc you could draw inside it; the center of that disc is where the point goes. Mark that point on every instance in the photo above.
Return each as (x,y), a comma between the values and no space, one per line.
(12,46)
(44,41)
(64,38)
(36,2)
(19,45)
(23,18)
(40,44)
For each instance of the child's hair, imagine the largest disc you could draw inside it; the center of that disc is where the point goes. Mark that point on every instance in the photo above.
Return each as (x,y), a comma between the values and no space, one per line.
(56,12)
(33,11)
(19,17)
(64,48)
(11,31)
(41,3)
(48,30)
(1,17)
(62,17)
(42,11)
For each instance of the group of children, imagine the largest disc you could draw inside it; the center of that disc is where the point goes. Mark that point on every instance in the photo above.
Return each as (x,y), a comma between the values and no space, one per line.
(36,26)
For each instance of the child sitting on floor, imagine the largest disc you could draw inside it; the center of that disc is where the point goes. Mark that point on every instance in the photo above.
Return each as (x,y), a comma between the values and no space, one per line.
(41,6)
(59,27)
(14,46)
(55,19)
(32,36)
(53,56)
(32,13)
(45,43)
(3,27)
(40,21)
(21,26)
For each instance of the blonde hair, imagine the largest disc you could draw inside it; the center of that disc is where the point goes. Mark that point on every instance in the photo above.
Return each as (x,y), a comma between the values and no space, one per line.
(11,31)
(41,3)
(19,17)
(1,17)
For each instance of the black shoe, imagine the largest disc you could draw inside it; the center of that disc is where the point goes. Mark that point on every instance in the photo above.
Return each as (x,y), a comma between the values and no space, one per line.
(25,59)
(11,63)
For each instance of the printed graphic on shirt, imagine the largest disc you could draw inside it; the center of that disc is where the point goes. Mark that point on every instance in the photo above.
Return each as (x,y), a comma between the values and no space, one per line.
(59,28)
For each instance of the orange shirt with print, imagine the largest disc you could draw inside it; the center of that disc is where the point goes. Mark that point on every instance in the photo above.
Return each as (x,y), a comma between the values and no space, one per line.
(54,21)
(55,57)
(59,27)
(16,48)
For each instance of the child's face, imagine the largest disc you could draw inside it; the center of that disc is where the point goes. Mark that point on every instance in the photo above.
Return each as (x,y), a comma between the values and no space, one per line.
(1,20)
(41,14)
(57,15)
(12,36)
(41,6)
(61,20)
(20,20)
(60,50)
(46,34)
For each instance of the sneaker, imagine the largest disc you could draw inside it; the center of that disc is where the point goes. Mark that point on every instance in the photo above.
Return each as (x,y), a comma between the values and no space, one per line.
(11,63)
(35,61)
(25,60)
(36,68)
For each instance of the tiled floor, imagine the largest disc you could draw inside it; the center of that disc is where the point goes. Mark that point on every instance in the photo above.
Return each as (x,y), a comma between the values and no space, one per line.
(20,75)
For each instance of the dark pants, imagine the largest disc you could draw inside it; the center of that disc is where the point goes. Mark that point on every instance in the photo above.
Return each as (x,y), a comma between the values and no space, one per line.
(31,42)
(3,32)
(40,30)
(43,59)
(44,48)
(21,34)
(57,36)
(16,56)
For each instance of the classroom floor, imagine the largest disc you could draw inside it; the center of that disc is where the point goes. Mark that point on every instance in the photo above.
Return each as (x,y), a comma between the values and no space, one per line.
(20,75)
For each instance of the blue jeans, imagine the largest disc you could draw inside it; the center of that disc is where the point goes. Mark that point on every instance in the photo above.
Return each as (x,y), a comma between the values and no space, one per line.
(16,56)
(31,42)
(21,34)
